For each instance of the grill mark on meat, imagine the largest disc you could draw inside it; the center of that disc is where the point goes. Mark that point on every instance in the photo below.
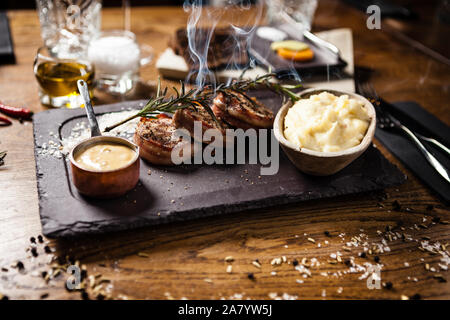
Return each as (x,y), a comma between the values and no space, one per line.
(243,108)
(156,140)
(232,121)
(185,118)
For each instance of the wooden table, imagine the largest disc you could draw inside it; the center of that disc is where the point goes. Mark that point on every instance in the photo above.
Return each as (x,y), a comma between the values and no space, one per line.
(187,259)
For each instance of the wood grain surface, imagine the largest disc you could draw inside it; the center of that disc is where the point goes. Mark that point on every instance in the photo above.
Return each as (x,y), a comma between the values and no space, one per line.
(186,260)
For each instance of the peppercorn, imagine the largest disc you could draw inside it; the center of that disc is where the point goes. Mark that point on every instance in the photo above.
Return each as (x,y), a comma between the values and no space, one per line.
(34,252)
(376,259)
(84,295)
(295,262)
(251,276)
(396,205)
(100,296)
(388,285)
(83,274)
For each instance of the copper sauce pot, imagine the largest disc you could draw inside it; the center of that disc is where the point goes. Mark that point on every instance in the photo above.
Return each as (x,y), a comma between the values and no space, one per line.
(102,184)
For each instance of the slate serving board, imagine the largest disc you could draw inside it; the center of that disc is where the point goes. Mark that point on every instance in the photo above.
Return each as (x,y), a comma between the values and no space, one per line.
(324,62)
(198,191)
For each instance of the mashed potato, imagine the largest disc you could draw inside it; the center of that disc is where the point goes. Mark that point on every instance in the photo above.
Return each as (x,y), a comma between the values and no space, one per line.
(326,123)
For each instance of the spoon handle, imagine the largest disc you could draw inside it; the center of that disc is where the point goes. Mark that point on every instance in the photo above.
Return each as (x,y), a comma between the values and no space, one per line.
(83,88)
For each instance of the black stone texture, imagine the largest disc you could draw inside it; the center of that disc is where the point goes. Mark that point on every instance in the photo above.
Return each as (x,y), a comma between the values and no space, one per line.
(198,191)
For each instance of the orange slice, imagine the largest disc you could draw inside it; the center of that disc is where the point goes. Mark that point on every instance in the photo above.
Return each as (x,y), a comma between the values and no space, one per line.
(303,55)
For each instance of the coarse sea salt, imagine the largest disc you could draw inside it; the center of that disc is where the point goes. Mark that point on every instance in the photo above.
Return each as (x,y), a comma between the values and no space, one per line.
(114,55)
(80,131)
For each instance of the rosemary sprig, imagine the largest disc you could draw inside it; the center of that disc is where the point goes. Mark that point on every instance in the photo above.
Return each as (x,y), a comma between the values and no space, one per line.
(262,81)
(2,158)
(204,96)
(159,104)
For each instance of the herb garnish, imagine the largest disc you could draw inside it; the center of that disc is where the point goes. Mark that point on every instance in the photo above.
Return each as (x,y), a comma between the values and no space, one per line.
(204,96)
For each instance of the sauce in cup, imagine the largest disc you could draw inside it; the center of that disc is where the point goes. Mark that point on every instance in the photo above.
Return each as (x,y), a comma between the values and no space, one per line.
(105,156)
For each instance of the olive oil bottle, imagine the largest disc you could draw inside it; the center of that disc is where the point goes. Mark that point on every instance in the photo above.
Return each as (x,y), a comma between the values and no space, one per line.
(58,78)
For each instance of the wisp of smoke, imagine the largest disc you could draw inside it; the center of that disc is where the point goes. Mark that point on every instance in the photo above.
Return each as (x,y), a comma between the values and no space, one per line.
(201,25)
(199,43)
(242,18)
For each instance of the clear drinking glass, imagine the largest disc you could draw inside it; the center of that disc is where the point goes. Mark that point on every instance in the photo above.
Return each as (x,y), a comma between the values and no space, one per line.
(58,78)
(301,11)
(117,58)
(67,26)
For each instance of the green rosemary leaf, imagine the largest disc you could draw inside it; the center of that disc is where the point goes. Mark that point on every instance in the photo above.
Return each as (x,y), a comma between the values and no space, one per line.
(176,91)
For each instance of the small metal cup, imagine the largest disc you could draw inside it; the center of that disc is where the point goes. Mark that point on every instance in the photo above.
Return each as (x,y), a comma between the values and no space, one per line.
(104,184)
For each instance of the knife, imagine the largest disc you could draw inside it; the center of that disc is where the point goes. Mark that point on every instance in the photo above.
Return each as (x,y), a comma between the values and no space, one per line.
(311,36)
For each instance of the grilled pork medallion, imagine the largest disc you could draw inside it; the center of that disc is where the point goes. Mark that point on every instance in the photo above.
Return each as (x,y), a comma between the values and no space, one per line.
(185,118)
(156,140)
(156,137)
(242,111)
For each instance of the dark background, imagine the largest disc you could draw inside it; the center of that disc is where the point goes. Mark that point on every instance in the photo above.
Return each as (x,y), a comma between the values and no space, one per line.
(426,22)
(31,4)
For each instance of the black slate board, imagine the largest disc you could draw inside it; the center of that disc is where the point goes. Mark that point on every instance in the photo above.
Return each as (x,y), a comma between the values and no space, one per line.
(66,213)
(325,62)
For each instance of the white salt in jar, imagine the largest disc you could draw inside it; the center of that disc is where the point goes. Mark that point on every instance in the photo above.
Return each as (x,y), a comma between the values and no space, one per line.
(117,58)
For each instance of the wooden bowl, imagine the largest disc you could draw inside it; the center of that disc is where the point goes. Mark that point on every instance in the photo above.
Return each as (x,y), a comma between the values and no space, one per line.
(105,183)
(323,163)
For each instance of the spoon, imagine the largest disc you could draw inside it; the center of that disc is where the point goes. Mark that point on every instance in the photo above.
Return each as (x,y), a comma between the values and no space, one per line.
(93,124)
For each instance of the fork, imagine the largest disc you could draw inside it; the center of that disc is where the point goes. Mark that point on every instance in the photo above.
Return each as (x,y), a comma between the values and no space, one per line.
(387,121)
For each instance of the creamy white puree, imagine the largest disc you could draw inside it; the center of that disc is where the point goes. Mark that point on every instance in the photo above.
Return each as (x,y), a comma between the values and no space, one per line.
(326,122)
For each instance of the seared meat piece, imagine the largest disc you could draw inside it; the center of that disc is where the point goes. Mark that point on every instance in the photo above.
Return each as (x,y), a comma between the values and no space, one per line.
(185,118)
(156,140)
(242,111)
(224,116)
(225,47)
